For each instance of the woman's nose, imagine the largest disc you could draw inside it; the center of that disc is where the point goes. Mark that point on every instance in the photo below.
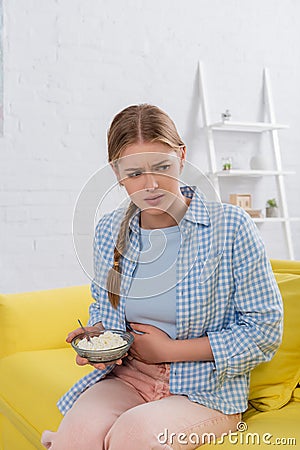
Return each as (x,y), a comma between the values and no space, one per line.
(150,181)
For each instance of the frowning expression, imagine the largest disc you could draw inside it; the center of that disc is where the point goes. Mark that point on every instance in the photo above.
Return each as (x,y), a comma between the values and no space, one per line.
(150,173)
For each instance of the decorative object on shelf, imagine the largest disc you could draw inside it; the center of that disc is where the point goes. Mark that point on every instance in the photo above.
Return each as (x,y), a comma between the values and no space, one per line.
(245,202)
(242,200)
(258,162)
(226,163)
(271,208)
(226,115)
(254,213)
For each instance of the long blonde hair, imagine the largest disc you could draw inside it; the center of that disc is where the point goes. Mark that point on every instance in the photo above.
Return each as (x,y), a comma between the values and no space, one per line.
(134,124)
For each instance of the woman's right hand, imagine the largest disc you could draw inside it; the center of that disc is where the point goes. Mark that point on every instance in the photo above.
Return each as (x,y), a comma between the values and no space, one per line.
(83,361)
(78,331)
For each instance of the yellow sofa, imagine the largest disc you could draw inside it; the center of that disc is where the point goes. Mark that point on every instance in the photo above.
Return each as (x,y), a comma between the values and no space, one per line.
(37,366)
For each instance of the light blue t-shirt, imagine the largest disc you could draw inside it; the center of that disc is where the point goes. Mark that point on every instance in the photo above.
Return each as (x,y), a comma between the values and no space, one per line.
(152,295)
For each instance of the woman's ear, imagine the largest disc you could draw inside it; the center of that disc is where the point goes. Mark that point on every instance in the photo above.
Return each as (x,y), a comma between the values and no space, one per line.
(182,156)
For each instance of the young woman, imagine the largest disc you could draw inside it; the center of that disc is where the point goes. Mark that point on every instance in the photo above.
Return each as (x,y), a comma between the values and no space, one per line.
(192,277)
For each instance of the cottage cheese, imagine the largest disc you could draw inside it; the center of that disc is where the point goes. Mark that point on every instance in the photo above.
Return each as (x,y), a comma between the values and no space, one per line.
(105,341)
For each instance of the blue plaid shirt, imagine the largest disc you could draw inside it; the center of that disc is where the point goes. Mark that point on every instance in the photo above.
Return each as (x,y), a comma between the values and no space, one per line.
(225,290)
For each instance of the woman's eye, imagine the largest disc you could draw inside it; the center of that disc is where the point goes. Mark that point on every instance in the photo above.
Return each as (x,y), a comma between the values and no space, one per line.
(134,174)
(164,167)
(159,168)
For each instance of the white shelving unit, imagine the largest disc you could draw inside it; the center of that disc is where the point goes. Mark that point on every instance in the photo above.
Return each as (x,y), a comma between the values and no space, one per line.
(248,173)
(271,127)
(248,127)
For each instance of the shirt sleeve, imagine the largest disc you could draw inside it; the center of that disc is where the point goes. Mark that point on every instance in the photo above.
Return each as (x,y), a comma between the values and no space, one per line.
(256,332)
(101,267)
(95,307)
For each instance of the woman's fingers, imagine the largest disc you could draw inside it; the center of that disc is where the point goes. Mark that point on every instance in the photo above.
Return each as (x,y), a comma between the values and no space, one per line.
(99,366)
(78,331)
(72,334)
(81,361)
(102,366)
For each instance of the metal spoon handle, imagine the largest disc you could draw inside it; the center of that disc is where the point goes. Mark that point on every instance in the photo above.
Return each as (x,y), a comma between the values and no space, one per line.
(129,327)
(85,331)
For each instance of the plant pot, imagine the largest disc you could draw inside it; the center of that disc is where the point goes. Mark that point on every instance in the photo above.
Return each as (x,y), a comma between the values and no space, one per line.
(271,211)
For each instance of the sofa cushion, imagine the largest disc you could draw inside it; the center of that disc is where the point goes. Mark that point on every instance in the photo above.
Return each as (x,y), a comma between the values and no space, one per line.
(14,437)
(41,320)
(270,428)
(32,382)
(272,383)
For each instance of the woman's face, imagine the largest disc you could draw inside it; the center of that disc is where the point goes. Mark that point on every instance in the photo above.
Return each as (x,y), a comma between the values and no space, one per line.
(150,173)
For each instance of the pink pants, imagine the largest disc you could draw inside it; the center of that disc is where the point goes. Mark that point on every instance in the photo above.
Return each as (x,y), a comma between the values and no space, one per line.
(132,409)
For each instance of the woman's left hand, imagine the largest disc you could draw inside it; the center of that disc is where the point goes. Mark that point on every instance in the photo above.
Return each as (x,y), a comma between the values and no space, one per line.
(152,347)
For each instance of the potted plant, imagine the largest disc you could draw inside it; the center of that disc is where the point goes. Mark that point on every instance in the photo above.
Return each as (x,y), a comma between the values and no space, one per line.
(226,163)
(271,208)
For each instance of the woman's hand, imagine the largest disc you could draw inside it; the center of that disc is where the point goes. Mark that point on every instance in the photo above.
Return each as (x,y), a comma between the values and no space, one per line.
(155,347)
(83,361)
(100,366)
(78,331)
(152,347)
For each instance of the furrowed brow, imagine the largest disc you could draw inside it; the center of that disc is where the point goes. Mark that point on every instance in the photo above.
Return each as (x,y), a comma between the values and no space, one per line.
(161,162)
(132,169)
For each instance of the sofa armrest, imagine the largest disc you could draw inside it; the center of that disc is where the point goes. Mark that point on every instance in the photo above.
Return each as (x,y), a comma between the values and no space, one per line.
(41,320)
(285,266)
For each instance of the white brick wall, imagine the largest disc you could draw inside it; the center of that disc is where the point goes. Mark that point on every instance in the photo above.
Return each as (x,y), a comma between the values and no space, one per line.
(69,66)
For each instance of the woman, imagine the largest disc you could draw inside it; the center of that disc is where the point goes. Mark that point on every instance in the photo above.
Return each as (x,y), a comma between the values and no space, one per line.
(192,279)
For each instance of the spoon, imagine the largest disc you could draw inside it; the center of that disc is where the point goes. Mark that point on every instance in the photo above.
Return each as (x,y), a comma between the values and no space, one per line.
(85,331)
(129,327)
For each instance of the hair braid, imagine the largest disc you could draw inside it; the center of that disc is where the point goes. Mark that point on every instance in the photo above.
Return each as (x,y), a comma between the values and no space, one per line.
(113,283)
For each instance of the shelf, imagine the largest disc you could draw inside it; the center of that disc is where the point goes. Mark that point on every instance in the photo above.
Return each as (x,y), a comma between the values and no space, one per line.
(275,219)
(268,219)
(248,173)
(248,127)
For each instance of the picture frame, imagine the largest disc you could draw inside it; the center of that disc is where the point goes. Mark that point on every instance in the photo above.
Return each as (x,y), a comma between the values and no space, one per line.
(242,200)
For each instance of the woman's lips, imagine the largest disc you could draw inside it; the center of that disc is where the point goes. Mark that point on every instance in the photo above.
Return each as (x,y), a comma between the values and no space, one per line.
(153,201)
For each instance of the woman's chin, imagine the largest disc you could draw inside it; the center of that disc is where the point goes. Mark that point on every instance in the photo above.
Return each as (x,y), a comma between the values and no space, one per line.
(154,211)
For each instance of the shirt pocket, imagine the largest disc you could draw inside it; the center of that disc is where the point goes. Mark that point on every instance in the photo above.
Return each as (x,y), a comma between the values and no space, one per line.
(213,305)
(205,277)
